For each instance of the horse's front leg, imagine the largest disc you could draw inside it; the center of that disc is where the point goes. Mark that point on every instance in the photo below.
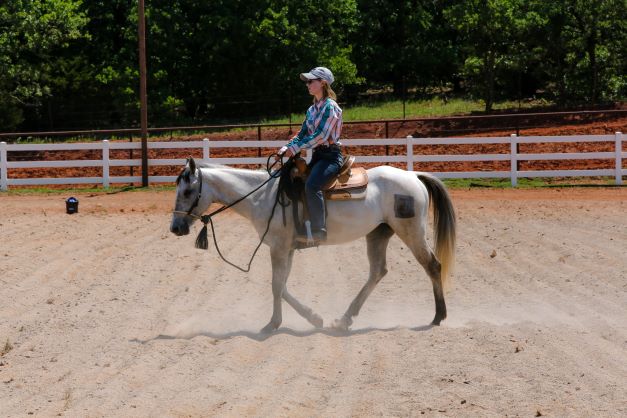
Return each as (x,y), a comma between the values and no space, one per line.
(303,310)
(280,270)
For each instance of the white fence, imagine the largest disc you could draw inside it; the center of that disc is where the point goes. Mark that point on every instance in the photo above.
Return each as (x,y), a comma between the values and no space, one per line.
(409,158)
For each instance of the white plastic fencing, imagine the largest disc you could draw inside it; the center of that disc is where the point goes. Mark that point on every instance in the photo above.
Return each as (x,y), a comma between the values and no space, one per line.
(410,158)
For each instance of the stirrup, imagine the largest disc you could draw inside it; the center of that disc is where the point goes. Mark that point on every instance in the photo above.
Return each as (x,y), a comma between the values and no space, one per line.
(313,240)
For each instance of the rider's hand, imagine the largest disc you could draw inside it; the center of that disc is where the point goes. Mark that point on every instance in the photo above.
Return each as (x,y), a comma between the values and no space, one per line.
(284,151)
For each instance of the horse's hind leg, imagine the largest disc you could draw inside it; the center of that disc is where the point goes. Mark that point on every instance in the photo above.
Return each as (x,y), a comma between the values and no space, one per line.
(434,270)
(431,264)
(304,311)
(377,242)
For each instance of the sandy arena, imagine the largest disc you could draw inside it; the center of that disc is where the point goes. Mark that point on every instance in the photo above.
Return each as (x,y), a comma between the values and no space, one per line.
(105,313)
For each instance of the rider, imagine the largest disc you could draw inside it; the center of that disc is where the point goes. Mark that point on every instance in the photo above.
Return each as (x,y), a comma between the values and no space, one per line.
(321,132)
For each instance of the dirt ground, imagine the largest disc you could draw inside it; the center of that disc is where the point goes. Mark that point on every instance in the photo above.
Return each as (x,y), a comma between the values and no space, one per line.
(105,313)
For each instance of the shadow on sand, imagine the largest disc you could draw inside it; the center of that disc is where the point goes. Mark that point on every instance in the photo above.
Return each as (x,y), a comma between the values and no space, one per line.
(261,336)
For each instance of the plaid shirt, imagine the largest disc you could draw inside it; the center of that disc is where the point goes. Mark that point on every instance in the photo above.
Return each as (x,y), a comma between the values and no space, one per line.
(322,126)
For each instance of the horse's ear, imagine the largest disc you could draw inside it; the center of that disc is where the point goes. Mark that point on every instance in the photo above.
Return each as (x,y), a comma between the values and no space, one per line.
(192,165)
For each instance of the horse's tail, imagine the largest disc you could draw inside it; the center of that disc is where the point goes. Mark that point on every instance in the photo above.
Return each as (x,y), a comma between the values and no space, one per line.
(444,223)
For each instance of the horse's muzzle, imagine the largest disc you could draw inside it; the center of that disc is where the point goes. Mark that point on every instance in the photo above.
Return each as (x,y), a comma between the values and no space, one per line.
(179,227)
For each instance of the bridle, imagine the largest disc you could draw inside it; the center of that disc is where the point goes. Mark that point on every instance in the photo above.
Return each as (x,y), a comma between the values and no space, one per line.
(201,240)
(196,201)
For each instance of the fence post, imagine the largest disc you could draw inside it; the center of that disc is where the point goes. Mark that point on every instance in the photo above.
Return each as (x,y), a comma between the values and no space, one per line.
(130,157)
(387,135)
(410,153)
(514,160)
(258,139)
(4,184)
(105,163)
(205,150)
(619,157)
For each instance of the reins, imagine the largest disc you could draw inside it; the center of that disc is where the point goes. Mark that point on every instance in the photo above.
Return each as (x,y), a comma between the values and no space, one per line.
(202,241)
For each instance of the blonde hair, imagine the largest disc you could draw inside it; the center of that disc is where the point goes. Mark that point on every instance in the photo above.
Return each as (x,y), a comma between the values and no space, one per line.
(327,91)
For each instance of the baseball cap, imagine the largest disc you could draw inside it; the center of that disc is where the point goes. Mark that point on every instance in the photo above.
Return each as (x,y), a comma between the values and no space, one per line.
(322,73)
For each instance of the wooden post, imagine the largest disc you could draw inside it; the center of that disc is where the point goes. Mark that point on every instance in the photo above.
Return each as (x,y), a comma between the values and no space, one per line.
(404,97)
(258,139)
(130,157)
(410,153)
(142,92)
(105,164)
(618,150)
(205,150)
(514,160)
(387,135)
(4,183)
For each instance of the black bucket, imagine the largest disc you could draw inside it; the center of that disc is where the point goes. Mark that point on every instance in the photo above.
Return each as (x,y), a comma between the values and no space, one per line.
(71,205)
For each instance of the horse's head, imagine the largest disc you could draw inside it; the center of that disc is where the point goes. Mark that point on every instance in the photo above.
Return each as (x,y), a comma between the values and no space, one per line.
(192,199)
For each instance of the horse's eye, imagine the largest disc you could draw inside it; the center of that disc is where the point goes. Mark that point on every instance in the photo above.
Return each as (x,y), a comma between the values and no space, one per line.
(187,193)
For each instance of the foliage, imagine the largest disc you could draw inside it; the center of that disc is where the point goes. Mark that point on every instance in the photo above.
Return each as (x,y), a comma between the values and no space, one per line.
(585,49)
(493,34)
(404,42)
(73,64)
(33,34)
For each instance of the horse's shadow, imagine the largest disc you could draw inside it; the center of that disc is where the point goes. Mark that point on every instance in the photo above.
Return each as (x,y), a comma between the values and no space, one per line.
(262,336)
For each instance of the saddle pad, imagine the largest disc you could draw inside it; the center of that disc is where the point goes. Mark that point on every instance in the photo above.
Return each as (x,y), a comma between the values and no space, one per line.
(353,188)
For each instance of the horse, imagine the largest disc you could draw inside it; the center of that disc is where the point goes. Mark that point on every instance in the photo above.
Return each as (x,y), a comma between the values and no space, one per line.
(396,202)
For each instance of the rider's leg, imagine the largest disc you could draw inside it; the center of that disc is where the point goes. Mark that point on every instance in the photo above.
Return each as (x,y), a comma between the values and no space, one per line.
(327,164)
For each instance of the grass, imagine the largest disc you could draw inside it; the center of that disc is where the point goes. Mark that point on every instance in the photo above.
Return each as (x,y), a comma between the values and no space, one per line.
(414,109)
(528,183)
(54,140)
(374,111)
(85,190)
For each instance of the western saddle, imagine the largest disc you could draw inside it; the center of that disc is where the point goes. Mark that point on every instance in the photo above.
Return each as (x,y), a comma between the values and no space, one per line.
(350,182)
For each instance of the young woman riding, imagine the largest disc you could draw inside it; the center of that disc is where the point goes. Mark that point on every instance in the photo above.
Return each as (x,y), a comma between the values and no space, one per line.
(321,132)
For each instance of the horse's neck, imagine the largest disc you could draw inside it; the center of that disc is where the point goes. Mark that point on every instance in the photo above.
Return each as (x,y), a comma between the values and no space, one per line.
(228,185)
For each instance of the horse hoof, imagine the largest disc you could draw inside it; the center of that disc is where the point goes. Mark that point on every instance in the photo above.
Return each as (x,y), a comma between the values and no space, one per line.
(268,328)
(436,321)
(340,325)
(317,321)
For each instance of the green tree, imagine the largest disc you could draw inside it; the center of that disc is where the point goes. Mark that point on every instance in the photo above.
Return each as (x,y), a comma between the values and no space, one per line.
(33,36)
(235,57)
(107,92)
(403,42)
(494,35)
(585,49)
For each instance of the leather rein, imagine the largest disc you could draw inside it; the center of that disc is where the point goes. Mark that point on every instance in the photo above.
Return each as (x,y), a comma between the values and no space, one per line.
(201,240)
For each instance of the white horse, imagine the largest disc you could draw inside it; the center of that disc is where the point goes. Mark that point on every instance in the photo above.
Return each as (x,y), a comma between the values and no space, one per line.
(396,201)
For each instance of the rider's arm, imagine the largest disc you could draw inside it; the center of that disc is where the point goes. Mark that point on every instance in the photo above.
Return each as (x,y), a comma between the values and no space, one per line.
(300,135)
(328,121)
(303,131)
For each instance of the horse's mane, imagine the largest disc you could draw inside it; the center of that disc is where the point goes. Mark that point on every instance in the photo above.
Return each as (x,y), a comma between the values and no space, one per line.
(213,165)
(184,174)
(225,167)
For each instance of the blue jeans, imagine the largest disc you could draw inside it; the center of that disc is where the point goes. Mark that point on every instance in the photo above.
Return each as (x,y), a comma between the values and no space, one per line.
(325,164)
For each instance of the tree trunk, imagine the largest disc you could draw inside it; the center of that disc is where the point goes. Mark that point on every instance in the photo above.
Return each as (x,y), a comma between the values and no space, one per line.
(489,81)
(592,47)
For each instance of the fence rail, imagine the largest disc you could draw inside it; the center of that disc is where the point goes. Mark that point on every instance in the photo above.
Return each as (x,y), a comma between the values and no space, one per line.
(410,157)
